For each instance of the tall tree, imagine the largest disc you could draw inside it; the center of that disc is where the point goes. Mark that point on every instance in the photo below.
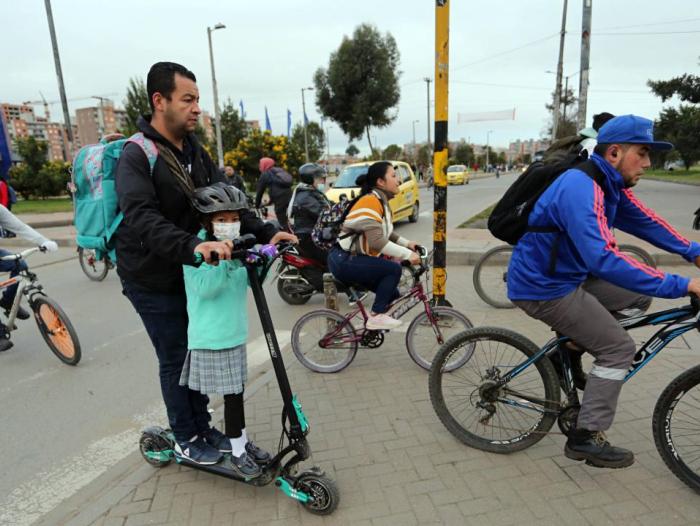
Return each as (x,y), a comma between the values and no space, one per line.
(316,136)
(33,153)
(392,152)
(135,104)
(687,87)
(233,128)
(352,150)
(464,154)
(567,115)
(361,84)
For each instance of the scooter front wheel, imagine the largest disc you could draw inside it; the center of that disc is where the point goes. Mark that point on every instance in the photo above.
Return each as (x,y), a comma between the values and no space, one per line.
(324,341)
(323,492)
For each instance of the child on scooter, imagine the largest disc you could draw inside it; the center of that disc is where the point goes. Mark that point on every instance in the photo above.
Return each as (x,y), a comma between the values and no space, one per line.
(218,328)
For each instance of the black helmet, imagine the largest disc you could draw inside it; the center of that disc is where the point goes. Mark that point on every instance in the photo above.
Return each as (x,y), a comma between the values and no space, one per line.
(219,197)
(310,171)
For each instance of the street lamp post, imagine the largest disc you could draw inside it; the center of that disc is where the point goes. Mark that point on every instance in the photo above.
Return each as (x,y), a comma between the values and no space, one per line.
(217,115)
(488,133)
(306,137)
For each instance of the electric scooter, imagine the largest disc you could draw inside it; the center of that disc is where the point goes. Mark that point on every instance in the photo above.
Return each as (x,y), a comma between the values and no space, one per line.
(311,488)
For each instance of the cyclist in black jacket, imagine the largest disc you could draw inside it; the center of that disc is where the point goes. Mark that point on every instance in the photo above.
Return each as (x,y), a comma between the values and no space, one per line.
(158,236)
(307,203)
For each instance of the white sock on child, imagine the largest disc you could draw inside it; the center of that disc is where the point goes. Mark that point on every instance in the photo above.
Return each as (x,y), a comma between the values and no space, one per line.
(244,435)
(238,445)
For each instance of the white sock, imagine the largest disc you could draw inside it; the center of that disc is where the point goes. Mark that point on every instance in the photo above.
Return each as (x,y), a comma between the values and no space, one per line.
(238,445)
(244,436)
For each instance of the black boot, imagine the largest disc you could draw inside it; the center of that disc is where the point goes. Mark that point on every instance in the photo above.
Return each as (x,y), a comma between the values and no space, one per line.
(594,448)
(577,373)
(5,344)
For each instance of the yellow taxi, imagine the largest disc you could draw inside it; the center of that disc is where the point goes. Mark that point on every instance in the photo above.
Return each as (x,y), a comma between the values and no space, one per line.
(404,205)
(457,174)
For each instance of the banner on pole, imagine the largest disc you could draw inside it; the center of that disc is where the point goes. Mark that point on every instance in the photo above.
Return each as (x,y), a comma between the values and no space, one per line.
(481,116)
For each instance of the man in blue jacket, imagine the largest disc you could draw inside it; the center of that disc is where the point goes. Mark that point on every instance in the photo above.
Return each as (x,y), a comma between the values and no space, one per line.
(591,277)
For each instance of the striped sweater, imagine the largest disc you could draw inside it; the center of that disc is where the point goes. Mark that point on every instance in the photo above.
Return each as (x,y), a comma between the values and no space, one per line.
(371,221)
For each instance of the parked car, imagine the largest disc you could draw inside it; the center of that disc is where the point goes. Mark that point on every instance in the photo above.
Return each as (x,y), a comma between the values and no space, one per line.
(457,174)
(404,205)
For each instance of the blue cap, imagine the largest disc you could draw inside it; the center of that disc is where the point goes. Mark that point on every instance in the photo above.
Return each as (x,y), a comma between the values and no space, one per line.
(630,129)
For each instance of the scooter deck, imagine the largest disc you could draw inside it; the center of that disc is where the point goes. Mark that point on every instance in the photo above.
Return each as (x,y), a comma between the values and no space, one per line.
(225,468)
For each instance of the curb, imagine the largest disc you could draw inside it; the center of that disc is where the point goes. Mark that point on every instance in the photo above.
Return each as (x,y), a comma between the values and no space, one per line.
(98,496)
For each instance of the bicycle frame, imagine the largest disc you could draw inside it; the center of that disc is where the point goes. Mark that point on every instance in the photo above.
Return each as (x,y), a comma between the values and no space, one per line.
(26,285)
(674,325)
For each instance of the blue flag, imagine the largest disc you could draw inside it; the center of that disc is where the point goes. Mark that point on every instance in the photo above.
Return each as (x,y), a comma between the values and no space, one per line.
(242,110)
(267,121)
(306,120)
(289,123)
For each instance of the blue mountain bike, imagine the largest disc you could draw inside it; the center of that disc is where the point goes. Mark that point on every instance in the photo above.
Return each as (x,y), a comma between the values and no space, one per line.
(505,395)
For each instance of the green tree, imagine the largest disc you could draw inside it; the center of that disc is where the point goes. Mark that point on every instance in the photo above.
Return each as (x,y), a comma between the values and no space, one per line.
(135,104)
(687,87)
(361,84)
(682,128)
(52,179)
(392,152)
(424,157)
(567,115)
(464,154)
(316,137)
(233,128)
(32,152)
(352,150)
(22,180)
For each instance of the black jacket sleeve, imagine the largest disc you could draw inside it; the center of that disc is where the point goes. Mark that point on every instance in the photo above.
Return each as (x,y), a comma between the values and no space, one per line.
(252,224)
(262,186)
(139,204)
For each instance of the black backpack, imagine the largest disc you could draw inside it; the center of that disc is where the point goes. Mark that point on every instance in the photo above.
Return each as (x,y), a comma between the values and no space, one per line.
(508,221)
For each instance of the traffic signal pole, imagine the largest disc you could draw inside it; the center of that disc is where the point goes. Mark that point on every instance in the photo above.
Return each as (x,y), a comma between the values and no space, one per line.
(440,155)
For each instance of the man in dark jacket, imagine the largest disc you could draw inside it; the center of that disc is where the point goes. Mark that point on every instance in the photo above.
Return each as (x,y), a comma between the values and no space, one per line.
(234,179)
(307,204)
(158,236)
(279,183)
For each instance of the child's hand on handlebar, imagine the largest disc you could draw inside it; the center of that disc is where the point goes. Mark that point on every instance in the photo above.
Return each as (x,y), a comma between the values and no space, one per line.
(284,236)
(221,248)
(414,258)
(412,245)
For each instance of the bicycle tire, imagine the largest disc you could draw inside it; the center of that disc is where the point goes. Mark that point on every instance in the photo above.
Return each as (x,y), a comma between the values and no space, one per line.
(639,254)
(669,444)
(292,298)
(423,352)
(333,365)
(56,329)
(96,271)
(492,289)
(532,432)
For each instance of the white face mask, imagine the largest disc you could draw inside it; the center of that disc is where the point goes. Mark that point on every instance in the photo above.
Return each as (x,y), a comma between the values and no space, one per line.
(224,231)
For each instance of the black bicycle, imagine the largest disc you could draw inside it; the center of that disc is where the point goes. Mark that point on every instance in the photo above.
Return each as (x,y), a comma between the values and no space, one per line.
(505,395)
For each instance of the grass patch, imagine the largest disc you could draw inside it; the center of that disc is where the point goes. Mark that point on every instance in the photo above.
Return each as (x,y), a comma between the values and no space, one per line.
(478,220)
(691,176)
(43,206)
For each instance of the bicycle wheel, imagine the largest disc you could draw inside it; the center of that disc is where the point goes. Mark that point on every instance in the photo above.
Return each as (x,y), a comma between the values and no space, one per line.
(324,341)
(56,329)
(423,339)
(95,269)
(676,427)
(639,254)
(476,409)
(490,275)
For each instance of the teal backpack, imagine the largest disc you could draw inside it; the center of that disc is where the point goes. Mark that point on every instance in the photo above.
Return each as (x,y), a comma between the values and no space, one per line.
(95,203)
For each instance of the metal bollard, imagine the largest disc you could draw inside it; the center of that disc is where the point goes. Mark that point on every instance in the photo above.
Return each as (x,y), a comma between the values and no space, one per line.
(330,291)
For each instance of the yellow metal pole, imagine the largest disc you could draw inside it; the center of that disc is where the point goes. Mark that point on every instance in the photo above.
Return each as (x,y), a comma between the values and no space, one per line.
(440,155)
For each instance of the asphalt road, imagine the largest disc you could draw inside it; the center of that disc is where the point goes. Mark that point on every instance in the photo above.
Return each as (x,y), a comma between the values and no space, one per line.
(63,426)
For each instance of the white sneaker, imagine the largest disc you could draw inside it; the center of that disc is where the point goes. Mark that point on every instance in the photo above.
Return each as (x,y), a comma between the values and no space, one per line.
(382,322)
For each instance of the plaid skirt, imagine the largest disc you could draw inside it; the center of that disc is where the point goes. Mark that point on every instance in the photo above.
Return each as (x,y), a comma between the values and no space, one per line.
(221,372)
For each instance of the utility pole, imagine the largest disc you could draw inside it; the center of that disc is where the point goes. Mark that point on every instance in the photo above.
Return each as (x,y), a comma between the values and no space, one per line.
(566,97)
(585,62)
(442,69)
(560,68)
(61,87)
(427,85)
(488,133)
(306,123)
(217,115)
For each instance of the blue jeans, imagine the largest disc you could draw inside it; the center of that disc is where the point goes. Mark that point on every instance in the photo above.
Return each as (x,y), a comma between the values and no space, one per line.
(379,275)
(13,268)
(165,318)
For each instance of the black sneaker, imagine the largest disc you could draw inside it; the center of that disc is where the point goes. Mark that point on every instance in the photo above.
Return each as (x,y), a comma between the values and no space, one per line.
(577,373)
(5,344)
(260,456)
(22,313)
(245,466)
(217,439)
(594,448)
(198,451)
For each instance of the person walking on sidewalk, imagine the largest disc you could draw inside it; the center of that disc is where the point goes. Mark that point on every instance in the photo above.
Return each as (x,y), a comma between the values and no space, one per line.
(9,221)
(590,278)
(279,183)
(367,238)
(218,326)
(158,235)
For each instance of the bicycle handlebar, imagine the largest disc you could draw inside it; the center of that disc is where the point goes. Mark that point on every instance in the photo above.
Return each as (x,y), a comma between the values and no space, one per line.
(22,255)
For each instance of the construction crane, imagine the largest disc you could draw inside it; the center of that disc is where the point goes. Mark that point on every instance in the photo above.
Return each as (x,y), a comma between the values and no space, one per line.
(47,104)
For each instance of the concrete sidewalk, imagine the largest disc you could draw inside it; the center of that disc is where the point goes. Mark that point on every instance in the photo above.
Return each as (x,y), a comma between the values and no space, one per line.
(374,431)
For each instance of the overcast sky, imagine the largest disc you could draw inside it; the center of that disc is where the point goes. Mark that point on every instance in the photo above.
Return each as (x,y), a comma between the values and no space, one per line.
(270,49)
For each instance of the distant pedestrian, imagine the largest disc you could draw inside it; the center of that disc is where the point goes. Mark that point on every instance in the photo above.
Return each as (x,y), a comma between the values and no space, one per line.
(234,178)
(278,183)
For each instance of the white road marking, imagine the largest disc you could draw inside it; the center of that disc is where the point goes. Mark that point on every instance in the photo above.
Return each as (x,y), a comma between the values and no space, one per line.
(257,351)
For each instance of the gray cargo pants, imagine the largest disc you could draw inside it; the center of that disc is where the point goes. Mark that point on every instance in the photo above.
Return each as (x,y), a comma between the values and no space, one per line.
(584,315)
